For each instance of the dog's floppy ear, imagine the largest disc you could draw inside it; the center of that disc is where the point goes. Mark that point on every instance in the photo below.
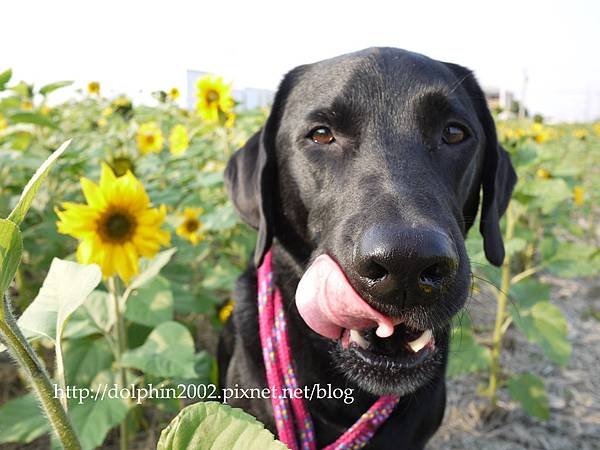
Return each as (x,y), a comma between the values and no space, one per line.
(498,176)
(249,178)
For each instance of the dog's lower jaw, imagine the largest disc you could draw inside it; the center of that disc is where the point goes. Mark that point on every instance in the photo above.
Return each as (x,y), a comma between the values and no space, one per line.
(387,377)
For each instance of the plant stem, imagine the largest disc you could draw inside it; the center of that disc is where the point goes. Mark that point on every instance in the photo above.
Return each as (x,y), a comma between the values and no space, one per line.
(121,349)
(37,376)
(60,371)
(502,297)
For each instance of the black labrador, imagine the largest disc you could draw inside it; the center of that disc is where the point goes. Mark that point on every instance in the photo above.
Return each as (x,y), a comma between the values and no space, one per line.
(375,159)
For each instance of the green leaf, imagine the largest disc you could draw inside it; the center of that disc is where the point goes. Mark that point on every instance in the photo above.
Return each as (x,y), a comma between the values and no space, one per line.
(515,245)
(45,90)
(33,118)
(222,218)
(528,292)
(221,276)
(544,324)
(466,355)
(152,304)
(18,213)
(529,390)
(150,268)
(21,420)
(65,288)
(571,260)
(168,352)
(212,426)
(5,78)
(93,419)
(96,315)
(11,248)
(84,358)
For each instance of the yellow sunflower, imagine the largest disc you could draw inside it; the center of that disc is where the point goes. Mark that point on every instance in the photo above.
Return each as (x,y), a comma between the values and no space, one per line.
(179,140)
(214,98)
(191,227)
(26,105)
(580,133)
(150,138)
(117,225)
(3,123)
(543,173)
(173,93)
(93,88)
(578,195)
(226,310)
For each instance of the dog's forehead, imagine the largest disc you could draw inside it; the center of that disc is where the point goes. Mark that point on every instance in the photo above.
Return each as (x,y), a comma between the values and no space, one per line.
(394,72)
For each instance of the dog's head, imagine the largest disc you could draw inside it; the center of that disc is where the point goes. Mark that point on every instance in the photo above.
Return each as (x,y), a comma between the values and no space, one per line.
(369,171)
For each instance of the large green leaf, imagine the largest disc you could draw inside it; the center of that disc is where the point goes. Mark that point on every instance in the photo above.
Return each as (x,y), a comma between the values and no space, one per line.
(45,90)
(213,426)
(5,78)
(221,218)
(544,324)
(152,304)
(18,213)
(33,118)
(11,248)
(150,268)
(94,418)
(571,260)
(466,355)
(21,420)
(528,292)
(65,288)
(529,390)
(84,358)
(96,315)
(168,352)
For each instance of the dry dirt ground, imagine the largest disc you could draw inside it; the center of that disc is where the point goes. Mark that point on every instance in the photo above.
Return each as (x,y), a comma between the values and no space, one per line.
(574,391)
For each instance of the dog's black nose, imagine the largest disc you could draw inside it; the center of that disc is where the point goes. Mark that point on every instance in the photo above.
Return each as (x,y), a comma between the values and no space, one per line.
(405,266)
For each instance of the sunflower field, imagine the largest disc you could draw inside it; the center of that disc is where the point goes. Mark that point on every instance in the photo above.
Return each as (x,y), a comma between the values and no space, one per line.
(118,258)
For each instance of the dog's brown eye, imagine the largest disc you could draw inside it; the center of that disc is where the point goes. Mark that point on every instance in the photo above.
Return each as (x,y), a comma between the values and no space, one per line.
(453,134)
(321,135)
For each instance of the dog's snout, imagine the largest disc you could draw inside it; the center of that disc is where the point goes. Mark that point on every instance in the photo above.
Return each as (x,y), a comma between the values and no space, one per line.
(405,266)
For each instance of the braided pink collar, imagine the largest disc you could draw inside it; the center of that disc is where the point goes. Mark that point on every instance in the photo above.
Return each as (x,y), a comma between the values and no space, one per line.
(294,424)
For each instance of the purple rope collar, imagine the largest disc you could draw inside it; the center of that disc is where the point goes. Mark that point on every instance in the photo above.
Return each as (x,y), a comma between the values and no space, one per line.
(294,424)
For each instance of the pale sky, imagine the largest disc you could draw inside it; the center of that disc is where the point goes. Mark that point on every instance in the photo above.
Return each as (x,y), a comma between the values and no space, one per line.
(142,46)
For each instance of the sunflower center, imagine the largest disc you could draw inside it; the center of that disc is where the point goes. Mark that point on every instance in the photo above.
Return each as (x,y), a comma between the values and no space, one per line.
(118,227)
(150,139)
(212,96)
(192,225)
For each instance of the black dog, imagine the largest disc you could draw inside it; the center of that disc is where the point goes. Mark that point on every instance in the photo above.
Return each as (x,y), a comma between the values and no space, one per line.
(376,159)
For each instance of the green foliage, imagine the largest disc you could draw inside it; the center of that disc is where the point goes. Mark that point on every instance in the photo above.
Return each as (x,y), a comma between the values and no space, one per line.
(11,248)
(168,352)
(66,287)
(529,390)
(552,231)
(22,421)
(466,354)
(212,426)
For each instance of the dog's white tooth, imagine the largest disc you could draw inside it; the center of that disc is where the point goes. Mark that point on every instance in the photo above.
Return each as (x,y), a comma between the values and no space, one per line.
(357,337)
(421,341)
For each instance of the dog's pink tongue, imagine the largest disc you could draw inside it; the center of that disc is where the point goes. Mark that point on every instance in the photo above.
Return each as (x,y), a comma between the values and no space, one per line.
(328,303)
